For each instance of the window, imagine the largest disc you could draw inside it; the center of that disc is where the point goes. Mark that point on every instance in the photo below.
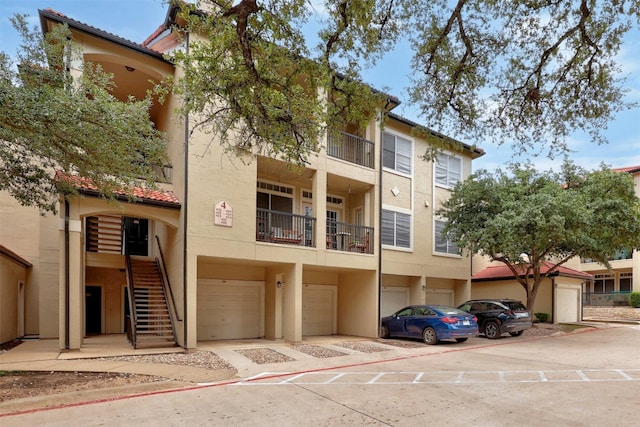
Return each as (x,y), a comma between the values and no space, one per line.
(443,245)
(274,197)
(448,170)
(396,229)
(626,279)
(396,153)
(603,283)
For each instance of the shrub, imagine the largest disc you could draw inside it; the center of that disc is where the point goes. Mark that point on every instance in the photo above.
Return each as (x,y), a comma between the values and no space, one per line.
(542,317)
(634,299)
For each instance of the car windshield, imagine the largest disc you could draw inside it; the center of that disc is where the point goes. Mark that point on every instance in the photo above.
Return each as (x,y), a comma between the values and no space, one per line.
(515,305)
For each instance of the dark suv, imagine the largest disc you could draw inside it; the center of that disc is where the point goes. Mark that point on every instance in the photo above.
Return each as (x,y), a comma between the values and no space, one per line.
(497,316)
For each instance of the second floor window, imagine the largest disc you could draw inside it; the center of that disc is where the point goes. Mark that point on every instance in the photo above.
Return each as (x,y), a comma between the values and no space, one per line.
(396,229)
(448,170)
(442,245)
(396,153)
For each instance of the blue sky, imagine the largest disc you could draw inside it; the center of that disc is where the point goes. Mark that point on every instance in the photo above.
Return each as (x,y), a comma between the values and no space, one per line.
(136,19)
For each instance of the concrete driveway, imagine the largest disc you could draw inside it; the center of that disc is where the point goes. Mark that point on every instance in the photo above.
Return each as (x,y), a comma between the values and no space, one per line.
(581,379)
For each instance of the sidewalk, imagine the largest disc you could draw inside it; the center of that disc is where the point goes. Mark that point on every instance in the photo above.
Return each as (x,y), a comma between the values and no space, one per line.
(44,355)
(114,354)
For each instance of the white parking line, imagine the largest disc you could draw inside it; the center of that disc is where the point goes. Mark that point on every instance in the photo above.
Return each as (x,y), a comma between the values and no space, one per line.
(443,377)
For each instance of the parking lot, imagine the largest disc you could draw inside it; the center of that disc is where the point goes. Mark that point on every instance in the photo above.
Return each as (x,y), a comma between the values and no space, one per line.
(580,379)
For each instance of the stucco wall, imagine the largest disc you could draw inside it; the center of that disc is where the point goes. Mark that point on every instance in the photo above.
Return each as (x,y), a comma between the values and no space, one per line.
(11,275)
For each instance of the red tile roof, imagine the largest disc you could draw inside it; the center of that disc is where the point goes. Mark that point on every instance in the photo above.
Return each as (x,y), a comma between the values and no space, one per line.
(629,169)
(502,272)
(146,195)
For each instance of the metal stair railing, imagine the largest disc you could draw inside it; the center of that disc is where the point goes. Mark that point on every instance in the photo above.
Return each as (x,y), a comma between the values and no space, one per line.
(131,333)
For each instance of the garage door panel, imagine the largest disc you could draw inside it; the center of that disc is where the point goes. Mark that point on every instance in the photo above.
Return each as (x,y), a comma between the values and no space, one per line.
(567,304)
(393,299)
(440,297)
(229,310)
(318,310)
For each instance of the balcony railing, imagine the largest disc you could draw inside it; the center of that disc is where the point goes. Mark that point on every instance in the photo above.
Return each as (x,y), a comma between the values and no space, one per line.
(285,228)
(163,173)
(346,237)
(618,256)
(352,148)
(607,299)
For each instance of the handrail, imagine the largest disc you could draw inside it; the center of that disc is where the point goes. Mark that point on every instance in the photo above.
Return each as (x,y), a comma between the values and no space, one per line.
(165,277)
(132,311)
(351,148)
(346,237)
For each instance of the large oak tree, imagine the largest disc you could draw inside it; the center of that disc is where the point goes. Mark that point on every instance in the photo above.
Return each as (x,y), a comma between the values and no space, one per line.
(52,121)
(516,71)
(530,220)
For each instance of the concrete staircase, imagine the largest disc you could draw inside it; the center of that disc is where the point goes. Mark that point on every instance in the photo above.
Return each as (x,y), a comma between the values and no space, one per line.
(152,323)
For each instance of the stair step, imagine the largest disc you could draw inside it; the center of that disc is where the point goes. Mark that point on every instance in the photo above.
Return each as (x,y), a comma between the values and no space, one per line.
(153,320)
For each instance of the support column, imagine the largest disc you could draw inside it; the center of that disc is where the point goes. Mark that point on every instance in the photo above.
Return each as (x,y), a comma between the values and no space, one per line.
(191,314)
(319,189)
(292,314)
(71,301)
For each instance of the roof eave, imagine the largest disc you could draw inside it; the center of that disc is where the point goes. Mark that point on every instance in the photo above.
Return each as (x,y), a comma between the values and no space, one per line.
(475,152)
(140,200)
(48,15)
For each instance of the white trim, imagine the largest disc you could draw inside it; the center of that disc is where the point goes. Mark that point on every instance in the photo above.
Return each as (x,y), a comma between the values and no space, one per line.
(435,162)
(411,227)
(411,155)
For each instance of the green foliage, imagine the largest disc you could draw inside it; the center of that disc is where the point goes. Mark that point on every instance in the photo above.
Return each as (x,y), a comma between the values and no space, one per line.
(528,219)
(52,121)
(542,317)
(634,299)
(264,97)
(507,70)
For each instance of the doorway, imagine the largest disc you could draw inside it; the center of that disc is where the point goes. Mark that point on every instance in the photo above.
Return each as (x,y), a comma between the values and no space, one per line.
(137,233)
(93,310)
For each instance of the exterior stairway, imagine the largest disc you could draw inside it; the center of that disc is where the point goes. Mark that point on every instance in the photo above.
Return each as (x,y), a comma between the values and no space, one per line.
(151,323)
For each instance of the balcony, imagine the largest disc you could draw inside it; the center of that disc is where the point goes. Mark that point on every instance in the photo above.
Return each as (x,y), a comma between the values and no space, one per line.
(351,148)
(285,228)
(346,237)
(298,230)
(622,254)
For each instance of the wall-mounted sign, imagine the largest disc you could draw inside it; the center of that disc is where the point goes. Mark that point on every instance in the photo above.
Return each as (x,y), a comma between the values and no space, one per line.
(223,214)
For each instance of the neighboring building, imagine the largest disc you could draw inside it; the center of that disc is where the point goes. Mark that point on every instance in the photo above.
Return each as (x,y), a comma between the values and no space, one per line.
(611,287)
(599,286)
(243,249)
(559,295)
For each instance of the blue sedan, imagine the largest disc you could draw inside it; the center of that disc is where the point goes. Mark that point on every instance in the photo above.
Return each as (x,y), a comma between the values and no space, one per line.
(431,323)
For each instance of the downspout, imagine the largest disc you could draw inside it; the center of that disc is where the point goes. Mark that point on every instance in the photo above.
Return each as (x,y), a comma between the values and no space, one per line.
(66,274)
(185,258)
(553,300)
(67,291)
(380,216)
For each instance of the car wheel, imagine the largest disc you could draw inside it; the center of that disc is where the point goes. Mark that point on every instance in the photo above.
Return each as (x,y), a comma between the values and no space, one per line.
(461,339)
(384,332)
(429,336)
(492,330)
(516,334)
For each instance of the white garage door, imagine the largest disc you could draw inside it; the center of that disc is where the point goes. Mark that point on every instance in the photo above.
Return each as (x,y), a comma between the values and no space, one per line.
(230,309)
(393,299)
(567,303)
(440,297)
(319,310)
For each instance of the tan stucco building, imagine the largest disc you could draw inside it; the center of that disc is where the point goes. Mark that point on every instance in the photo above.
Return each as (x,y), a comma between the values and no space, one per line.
(611,287)
(245,248)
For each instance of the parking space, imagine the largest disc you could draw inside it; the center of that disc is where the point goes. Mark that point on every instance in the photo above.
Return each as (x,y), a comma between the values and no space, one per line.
(459,377)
